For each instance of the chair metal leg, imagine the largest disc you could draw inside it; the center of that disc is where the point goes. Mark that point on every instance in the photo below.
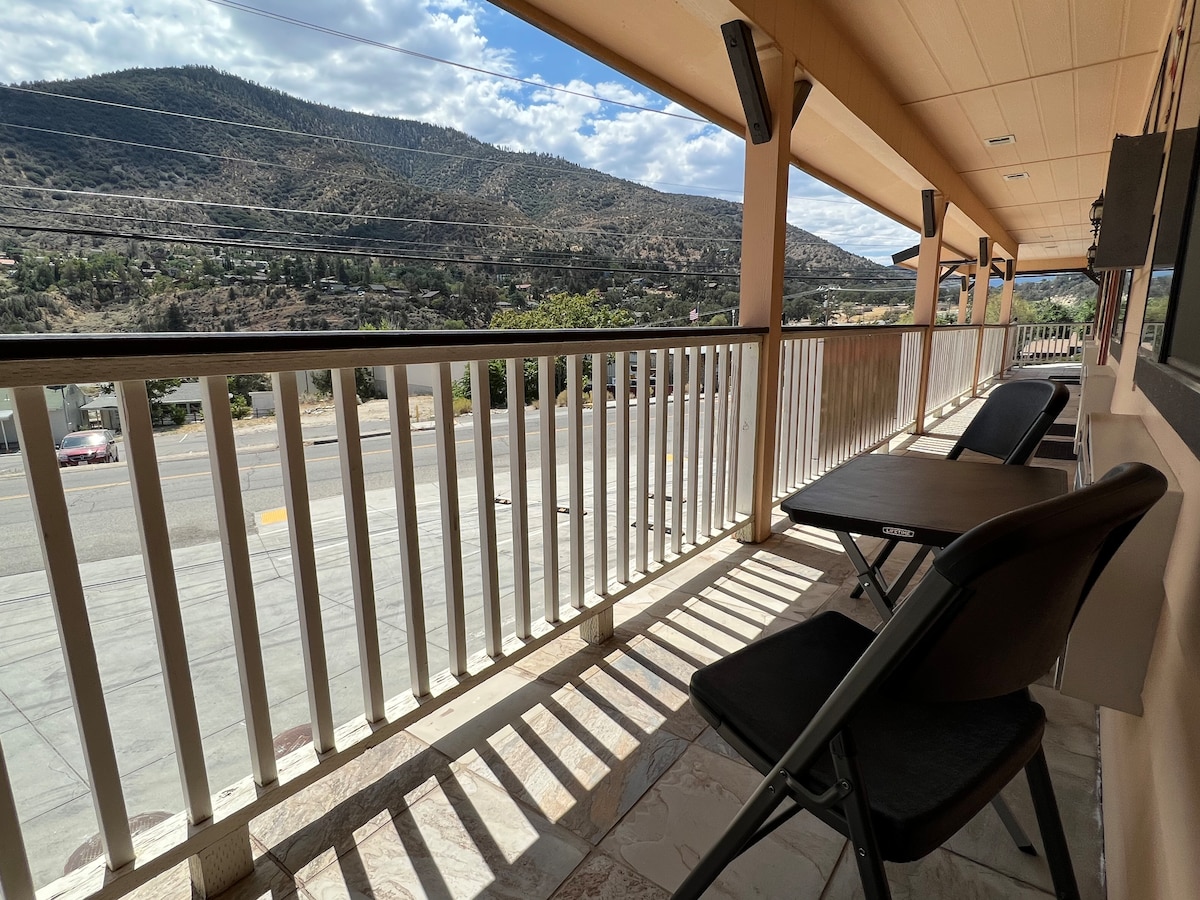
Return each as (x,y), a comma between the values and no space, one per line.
(742,830)
(1013,827)
(1058,856)
(858,816)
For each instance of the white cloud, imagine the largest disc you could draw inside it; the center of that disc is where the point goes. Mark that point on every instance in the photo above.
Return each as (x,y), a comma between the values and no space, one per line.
(57,39)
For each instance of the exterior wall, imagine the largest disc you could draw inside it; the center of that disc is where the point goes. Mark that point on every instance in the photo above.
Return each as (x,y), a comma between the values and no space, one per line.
(1151,764)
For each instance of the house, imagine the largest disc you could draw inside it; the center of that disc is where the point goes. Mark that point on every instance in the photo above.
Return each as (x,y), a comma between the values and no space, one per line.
(64,402)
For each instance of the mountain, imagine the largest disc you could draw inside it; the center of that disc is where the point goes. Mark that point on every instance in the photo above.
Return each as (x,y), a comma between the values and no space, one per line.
(266,187)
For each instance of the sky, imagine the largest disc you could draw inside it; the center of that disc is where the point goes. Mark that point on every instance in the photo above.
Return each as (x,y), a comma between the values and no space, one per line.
(56,39)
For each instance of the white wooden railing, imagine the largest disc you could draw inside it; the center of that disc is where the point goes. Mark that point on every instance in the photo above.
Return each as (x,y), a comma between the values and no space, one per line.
(646,478)
(951,364)
(841,391)
(641,515)
(1044,344)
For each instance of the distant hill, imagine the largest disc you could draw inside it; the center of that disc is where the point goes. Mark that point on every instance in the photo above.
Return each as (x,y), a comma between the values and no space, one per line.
(429,182)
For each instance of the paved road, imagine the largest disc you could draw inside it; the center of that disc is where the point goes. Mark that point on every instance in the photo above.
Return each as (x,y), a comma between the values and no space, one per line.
(101,503)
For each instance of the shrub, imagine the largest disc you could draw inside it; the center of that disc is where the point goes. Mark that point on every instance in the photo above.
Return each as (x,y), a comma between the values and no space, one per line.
(177,414)
(462,406)
(239,408)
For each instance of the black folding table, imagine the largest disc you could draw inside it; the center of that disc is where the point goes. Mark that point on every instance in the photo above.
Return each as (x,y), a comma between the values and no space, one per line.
(913,499)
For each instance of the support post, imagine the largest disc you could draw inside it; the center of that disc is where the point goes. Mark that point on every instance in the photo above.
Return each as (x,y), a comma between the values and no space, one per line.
(964,299)
(763,220)
(983,278)
(925,300)
(218,867)
(1006,304)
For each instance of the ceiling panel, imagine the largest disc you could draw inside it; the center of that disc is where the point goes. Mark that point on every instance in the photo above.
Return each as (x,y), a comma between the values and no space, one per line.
(1064,174)
(997,37)
(1057,108)
(1097,88)
(911,68)
(1046,26)
(1098,29)
(1020,109)
(1146,27)
(945,34)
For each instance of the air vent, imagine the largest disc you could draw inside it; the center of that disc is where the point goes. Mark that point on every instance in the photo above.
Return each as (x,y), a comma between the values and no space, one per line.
(1015,176)
(1001,141)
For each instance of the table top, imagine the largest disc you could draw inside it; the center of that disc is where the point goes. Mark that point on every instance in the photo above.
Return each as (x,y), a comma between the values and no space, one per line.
(918,499)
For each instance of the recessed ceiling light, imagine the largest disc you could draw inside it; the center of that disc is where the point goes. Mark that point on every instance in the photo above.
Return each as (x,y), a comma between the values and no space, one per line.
(1000,141)
(1015,176)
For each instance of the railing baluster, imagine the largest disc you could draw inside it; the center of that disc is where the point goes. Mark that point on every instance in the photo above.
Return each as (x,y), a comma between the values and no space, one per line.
(679,407)
(517,475)
(642,496)
(724,436)
(485,487)
(304,557)
(53,525)
(706,475)
(151,516)
(239,580)
(693,442)
(456,624)
(16,879)
(358,535)
(782,409)
(735,420)
(662,378)
(546,401)
(621,453)
(575,474)
(796,431)
(406,526)
(599,476)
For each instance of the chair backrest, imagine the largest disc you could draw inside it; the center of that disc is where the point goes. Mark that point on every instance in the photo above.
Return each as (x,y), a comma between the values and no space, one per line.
(1017,583)
(1013,420)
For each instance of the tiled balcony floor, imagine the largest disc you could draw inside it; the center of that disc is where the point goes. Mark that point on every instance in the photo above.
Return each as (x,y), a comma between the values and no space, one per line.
(583,772)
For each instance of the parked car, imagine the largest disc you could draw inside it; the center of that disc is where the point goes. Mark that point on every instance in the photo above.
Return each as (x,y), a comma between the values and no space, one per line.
(79,447)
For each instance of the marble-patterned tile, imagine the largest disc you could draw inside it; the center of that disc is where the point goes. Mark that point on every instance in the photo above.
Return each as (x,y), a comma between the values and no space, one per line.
(940,874)
(859,609)
(267,882)
(464,838)
(603,878)
(577,760)
(985,840)
(713,742)
(471,718)
(307,824)
(648,683)
(566,658)
(688,809)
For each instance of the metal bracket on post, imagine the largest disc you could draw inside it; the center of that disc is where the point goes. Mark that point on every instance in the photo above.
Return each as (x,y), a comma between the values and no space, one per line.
(218,867)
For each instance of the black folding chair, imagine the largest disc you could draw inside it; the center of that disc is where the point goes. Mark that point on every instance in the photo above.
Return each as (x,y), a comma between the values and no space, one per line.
(1009,427)
(898,739)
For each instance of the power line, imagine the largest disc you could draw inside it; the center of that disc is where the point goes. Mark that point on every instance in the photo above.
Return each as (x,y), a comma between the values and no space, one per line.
(243,7)
(376,218)
(444,246)
(387,253)
(201,153)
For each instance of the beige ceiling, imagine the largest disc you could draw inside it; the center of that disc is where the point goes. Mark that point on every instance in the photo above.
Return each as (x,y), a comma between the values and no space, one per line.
(908,91)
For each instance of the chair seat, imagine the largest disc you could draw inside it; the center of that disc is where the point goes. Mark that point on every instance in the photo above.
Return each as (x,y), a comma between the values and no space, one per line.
(928,767)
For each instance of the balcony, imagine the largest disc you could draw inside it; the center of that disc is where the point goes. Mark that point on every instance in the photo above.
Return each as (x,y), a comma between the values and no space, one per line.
(467,677)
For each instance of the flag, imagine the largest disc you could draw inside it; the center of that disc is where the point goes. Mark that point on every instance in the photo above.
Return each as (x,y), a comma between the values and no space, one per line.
(694,315)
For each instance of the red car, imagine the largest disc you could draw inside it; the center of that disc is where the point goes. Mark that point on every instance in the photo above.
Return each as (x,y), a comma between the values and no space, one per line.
(81,447)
